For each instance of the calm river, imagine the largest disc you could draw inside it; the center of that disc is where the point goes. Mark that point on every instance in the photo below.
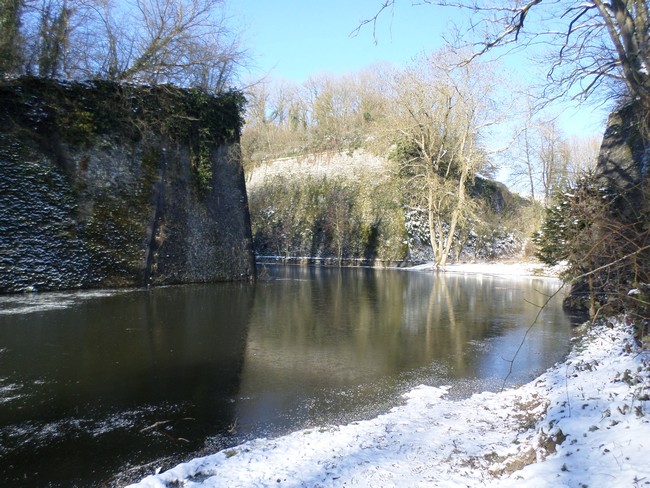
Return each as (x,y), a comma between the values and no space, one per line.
(95,383)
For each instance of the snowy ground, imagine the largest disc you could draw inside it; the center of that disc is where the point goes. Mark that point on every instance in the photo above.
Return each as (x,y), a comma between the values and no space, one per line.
(361,163)
(517,268)
(584,423)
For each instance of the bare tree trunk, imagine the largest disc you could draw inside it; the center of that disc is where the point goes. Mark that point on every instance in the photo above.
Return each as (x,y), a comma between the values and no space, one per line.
(10,38)
(529,165)
(432,227)
(454,216)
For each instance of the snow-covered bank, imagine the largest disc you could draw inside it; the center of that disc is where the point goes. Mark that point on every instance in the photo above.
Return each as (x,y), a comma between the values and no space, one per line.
(519,268)
(585,422)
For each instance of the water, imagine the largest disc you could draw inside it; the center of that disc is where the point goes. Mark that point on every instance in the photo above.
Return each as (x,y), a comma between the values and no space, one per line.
(93,384)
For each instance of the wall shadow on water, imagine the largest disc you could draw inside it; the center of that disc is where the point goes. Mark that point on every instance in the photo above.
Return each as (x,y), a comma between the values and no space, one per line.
(116,380)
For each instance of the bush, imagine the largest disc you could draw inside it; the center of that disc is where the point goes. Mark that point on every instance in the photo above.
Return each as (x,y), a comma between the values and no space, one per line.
(605,242)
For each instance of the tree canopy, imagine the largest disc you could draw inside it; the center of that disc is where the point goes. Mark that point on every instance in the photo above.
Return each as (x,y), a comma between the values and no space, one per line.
(183,42)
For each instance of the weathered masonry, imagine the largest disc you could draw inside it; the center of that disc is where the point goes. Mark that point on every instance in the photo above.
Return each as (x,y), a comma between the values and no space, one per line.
(109,185)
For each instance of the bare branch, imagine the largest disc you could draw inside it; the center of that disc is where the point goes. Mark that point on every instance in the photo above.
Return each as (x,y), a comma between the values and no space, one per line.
(580,31)
(373,20)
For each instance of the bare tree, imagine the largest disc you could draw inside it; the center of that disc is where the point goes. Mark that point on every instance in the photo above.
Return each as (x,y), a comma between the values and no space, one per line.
(542,159)
(53,39)
(178,41)
(595,42)
(441,111)
(523,167)
(582,156)
(553,159)
(10,38)
(182,42)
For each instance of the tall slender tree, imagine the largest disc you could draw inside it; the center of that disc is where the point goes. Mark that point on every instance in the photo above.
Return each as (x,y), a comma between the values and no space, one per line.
(11,45)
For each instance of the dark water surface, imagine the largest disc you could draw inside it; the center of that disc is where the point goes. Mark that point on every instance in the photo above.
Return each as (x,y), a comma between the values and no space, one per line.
(93,384)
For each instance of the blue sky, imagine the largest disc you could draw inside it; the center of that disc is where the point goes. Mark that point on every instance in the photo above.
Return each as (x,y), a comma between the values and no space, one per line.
(295,39)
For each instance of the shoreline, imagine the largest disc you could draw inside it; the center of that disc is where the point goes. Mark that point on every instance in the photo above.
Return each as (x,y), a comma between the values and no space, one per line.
(510,267)
(584,422)
(506,268)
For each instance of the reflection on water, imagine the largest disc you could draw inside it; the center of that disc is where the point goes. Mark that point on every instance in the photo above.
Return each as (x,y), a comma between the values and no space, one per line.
(349,340)
(94,383)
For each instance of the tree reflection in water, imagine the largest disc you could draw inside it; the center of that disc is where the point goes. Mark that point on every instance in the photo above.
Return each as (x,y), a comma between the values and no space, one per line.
(100,381)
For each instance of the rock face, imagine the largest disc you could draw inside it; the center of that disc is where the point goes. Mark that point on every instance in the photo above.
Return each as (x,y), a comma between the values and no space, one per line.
(612,257)
(349,208)
(624,159)
(105,185)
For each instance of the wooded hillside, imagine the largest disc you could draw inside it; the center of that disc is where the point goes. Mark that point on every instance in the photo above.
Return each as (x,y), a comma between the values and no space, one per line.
(386,164)
(347,209)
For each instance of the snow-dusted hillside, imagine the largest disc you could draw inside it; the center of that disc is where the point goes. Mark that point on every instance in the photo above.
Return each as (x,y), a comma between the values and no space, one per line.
(339,205)
(321,164)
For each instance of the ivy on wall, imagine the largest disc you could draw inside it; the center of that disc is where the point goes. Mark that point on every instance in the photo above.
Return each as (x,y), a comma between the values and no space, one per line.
(77,112)
(99,175)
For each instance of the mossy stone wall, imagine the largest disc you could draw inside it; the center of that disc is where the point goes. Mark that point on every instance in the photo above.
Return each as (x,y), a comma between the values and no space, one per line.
(105,185)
